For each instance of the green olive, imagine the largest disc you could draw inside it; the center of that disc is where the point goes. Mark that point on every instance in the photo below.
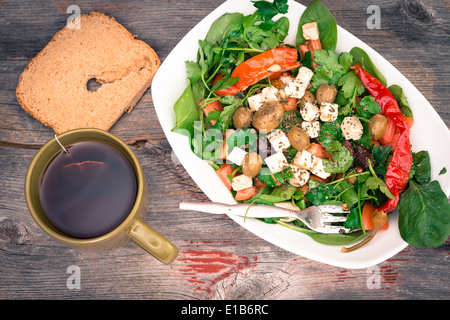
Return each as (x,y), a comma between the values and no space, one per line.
(252,164)
(307,97)
(377,126)
(326,93)
(298,138)
(268,117)
(242,118)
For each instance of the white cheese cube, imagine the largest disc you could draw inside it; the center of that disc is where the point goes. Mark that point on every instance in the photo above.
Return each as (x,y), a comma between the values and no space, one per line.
(296,87)
(276,162)
(241,182)
(310,112)
(278,140)
(237,156)
(300,176)
(269,94)
(255,102)
(328,112)
(319,170)
(312,128)
(305,160)
(310,31)
(352,128)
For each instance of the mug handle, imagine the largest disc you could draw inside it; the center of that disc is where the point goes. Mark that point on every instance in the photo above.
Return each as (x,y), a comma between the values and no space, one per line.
(152,242)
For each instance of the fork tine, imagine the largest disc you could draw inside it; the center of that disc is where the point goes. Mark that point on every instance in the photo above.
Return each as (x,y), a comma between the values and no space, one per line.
(331,218)
(333,209)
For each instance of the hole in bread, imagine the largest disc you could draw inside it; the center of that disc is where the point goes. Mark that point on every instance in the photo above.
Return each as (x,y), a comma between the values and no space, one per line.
(93,85)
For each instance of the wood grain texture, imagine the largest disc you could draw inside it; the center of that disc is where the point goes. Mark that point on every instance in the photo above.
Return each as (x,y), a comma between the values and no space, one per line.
(218,258)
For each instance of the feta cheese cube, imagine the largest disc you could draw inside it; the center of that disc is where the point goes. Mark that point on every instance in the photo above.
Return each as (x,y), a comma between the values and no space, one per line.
(269,94)
(352,128)
(241,182)
(300,176)
(310,112)
(278,140)
(237,156)
(328,112)
(255,102)
(319,169)
(310,31)
(296,87)
(305,160)
(276,162)
(312,128)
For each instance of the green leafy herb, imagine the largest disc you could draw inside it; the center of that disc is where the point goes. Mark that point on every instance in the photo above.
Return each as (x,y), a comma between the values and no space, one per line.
(321,194)
(374,182)
(367,107)
(350,84)
(329,132)
(443,171)
(341,158)
(243,137)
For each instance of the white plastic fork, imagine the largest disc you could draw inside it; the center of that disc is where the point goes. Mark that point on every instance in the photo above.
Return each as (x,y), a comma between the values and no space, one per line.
(317,218)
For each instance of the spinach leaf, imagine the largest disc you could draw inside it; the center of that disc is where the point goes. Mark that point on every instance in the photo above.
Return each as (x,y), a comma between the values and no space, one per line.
(326,23)
(363,59)
(326,238)
(402,101)
(187,111)
(421,167)
(424,215)
(219,27)
(285,191)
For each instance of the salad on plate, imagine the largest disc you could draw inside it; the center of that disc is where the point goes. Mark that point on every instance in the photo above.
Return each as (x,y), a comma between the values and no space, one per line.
(299,124)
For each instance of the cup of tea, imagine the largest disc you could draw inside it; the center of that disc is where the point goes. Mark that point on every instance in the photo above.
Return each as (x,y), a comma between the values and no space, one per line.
(86,188)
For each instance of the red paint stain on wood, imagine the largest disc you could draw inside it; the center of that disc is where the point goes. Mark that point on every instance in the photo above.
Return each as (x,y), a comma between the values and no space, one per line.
(211,264)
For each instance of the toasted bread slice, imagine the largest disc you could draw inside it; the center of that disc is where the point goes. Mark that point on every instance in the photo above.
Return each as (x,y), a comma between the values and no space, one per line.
(53,87)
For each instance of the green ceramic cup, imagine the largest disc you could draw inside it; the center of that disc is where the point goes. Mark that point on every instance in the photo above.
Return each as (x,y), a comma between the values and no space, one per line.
(133,227)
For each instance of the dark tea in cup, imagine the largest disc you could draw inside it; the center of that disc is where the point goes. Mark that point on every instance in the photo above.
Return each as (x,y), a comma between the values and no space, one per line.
(89,190)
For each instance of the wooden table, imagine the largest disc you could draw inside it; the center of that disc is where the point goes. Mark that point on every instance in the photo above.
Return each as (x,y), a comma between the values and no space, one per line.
(218,259)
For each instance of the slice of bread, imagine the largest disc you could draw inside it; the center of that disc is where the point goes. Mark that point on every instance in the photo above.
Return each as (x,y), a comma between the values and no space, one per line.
(53,87)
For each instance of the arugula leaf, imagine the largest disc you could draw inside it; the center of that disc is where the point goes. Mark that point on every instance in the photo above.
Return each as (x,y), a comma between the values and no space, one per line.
(424,215)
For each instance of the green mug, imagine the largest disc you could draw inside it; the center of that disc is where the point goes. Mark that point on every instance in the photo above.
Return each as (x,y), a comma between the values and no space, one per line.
(132,227)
